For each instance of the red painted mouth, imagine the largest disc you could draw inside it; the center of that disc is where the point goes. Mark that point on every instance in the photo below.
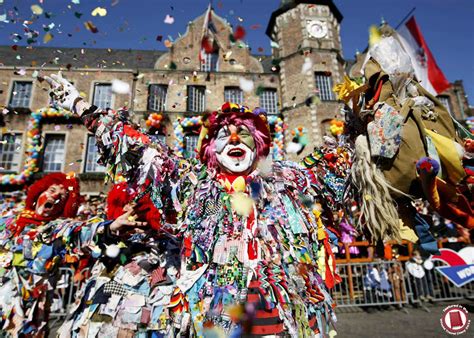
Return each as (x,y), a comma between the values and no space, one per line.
(236,153)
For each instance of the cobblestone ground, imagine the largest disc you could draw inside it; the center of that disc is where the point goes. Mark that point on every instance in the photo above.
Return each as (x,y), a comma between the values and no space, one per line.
(386,323)
(408,322)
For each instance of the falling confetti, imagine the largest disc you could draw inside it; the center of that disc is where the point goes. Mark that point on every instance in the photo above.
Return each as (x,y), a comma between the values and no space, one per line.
(239,33)
(21,72)
(100,11)
(246,85)
(120,87)
(36,9)
(47,37)
(307,66)
(91,27)
(169,19)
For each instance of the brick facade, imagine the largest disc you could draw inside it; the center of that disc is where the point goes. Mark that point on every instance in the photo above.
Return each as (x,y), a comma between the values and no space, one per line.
(179,67)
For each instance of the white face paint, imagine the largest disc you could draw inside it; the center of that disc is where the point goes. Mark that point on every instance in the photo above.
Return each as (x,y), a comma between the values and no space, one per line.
(235,149)
(51,201)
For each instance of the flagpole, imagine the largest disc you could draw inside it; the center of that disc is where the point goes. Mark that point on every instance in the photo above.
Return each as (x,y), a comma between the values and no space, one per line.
(405,18)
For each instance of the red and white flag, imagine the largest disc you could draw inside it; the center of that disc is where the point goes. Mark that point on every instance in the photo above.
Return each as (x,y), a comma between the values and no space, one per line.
(426,70)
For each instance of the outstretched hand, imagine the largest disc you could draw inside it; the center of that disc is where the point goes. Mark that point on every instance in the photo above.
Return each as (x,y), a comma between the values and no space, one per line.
(128,219)
(62,91)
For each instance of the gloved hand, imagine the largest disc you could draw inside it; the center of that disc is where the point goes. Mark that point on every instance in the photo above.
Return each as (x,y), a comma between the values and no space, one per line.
(63,92)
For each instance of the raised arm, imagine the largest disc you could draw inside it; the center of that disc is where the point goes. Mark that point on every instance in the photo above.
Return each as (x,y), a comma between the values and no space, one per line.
(123,148)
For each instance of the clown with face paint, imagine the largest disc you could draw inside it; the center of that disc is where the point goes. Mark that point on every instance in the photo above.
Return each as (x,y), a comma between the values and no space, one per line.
(25,293)
(256,236)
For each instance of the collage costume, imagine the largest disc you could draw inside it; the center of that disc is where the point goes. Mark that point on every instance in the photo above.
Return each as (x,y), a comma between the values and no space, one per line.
(32,247)
(407,146)
(265,270)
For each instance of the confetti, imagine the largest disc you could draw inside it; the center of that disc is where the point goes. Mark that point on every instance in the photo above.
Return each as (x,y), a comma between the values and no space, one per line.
(159,38)
(168,43)
(47,37)
(241,203)
(227,55)
(239,33)
(169,19)
(246,85)
(36,9)
(307,66)
(91,27)
(100,11)
(21,72)
(76,2)
(120,87)
(49,27)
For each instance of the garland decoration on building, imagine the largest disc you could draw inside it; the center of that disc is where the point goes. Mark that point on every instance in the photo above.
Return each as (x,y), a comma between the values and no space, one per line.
(33,145)
(277,149)
(178,126)
(154,120)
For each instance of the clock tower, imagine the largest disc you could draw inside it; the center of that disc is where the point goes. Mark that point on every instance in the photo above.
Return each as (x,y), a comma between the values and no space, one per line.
(307,47)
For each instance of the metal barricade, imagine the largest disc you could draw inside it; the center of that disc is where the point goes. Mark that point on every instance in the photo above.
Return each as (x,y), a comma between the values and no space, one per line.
(433,286)
(370,284)
(376,283)
(66,290)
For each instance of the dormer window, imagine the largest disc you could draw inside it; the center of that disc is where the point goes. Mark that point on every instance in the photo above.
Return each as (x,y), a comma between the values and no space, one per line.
(209,62)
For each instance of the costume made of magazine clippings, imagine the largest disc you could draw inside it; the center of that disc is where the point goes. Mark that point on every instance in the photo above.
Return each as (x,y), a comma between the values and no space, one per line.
(33,245)
(249,254)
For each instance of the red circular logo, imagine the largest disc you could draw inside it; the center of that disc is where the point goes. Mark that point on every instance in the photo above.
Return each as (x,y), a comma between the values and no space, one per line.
(455,319)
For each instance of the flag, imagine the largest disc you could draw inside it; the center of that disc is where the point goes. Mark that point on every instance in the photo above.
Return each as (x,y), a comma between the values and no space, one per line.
(426,70)
(208,35)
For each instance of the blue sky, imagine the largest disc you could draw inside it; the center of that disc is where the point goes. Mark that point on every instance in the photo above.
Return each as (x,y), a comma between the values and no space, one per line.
(446,25)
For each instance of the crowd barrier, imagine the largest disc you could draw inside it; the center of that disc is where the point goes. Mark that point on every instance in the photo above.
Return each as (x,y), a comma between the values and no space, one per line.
(435,287)
(65,292)
(363,284)
(370,284)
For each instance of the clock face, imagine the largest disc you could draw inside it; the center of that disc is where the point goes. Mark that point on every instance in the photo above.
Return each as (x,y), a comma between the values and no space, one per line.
(317,29)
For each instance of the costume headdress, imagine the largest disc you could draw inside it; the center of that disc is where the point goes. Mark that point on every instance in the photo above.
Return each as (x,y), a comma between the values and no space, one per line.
(232,113)
(70,183)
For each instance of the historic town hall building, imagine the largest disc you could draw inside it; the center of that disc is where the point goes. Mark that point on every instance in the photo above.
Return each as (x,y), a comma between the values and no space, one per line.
(180,86)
